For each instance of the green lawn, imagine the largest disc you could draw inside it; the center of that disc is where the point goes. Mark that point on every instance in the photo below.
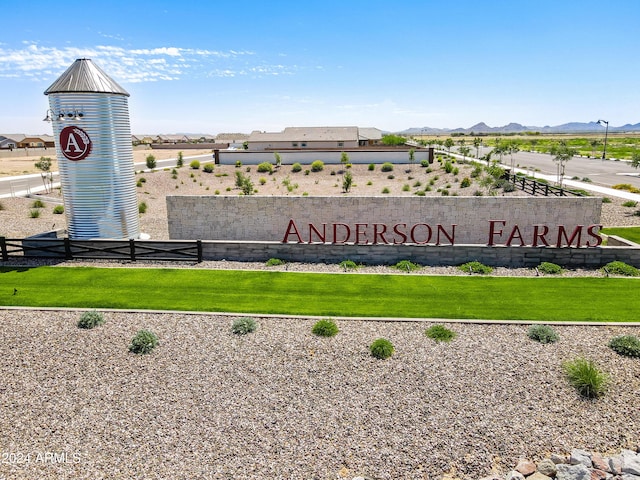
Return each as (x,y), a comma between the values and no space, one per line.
(630,233)
(544,299)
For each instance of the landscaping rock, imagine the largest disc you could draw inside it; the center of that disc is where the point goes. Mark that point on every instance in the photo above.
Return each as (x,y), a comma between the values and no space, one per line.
(538,476)
(547,467)
(630,462)
(513,475)
(526,467)
(580,457)
(573,472)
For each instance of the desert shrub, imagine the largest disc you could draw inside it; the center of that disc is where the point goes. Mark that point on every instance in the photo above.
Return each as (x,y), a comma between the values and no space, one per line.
(195,164)
(406,187)
(386,190)
(371,167)
(244,325)
(238,163)
(180,160)
(550,268)
(138,183)
(143,342)
(325,328)
(142,207)
(424,163)
(317,166)
(421,193)
(35,213)
(90,319)
(348,265)
(508,187)
(585,376)
(274,262)
(37,204)
(58,209)
(391,177)
(478,193)
(406,266)
(606,200)
(466,182)
(440,333)
(444,193)
(476,267)
(620,268)
(265,167)
(542,334)
(151,162)
(208,167)
(448,166)
(627,345)
(381,348)
(296,167)
(1,206)
(387,167)
(629,203)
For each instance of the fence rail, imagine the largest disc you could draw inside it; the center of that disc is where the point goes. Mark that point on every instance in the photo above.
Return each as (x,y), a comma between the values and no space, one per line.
(534,187)
(133,250)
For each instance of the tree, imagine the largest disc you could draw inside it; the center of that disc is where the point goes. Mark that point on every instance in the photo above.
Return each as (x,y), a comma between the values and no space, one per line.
(449,143)
(344,159)
(151,162)
(477,142)
(44,165)
(412,157)
(464,151)
(513,147)
(278,159)
(594,144)
(347,182)
(180,161)
(635,159)
(393,140)
(562,153)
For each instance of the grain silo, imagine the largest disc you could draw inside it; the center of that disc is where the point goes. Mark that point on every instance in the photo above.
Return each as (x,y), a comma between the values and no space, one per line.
(90,116)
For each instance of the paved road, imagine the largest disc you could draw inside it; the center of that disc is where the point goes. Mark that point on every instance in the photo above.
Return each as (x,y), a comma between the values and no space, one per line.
(606,173)
(22,185)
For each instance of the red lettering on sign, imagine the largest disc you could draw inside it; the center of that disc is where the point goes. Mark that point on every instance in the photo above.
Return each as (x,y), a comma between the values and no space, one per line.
(401,233)
(537,235)
(515,233)
(322,236)
(493,232)
(335,233)
(376,233)
(596,235)
(291,230)
(562,233)
(444,232)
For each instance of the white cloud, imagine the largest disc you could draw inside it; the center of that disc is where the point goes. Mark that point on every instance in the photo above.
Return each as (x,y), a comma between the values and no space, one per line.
(168,63)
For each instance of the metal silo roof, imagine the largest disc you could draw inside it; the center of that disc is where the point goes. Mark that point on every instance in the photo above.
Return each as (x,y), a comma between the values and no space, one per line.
(86,77)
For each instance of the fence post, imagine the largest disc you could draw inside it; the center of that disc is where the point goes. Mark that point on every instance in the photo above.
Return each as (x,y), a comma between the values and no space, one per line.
(199,248)
(546,190)
(132,249)
(67,249)
(3,245)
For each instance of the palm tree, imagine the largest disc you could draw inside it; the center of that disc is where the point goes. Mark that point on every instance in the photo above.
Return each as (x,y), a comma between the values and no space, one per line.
(477,142)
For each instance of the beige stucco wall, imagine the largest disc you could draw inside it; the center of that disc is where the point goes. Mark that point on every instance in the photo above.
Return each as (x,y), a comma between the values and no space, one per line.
(258,218)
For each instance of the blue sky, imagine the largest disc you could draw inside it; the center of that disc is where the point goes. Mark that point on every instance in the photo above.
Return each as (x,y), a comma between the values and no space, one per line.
(212,67)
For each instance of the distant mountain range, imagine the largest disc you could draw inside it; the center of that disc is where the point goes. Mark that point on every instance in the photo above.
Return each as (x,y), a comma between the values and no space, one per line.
(572,127)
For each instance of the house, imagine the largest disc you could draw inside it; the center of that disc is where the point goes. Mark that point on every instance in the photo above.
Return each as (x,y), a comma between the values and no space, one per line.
(368,137)
(235,140)
(171,139)
(305,138)
(19,140)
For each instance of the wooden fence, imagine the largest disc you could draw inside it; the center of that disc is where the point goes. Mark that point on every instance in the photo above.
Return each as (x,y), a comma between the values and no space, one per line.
(173,250)
(535,187)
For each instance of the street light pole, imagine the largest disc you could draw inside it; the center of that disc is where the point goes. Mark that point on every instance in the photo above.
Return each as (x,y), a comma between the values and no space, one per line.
(606,131)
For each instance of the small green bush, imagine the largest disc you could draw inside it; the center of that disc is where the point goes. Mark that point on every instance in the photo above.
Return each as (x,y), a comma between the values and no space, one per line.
(387,167)
(386,190)
(466,182)
(630,203)
(476,267)
(508,187)
(265,167)
(274,262)
(406,266)
(296,167)
(151,162)
(317,166)
(371,167)
(406,187)
(325,328)
(35,213)
(550,268)
(348,265)
(143,342)
(90,319)
(585,376)
(244,325)
(606,200)
(238,163)
(627,345)
(58,209)
(448,167)
(37,204)
(621,268)
(142,207)
(440,333)
(381,348)
(208,167)
(424,163)
(195,164)
(542,334)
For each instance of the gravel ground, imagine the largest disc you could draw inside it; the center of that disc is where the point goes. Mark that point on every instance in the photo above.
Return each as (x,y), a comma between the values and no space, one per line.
(281,403)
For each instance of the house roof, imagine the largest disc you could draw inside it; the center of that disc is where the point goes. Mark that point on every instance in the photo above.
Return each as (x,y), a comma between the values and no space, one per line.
(20,137)
(370,133)
(86,77)
(308,134)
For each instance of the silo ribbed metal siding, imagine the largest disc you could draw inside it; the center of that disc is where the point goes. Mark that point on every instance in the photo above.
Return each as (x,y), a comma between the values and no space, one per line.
(99,191)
